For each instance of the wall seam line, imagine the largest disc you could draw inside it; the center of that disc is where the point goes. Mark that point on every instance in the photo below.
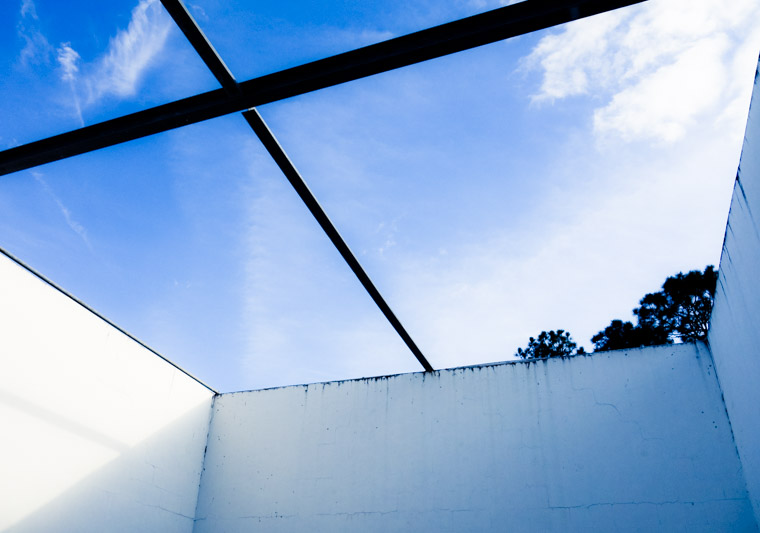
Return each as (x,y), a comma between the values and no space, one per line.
(203,459)
(730,426)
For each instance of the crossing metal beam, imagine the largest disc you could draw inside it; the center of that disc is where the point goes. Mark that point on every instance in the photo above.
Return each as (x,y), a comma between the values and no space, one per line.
(206,51)
(463,34)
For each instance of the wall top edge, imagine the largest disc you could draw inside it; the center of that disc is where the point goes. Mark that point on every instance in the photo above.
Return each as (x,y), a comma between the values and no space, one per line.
(100,316)
(436,373)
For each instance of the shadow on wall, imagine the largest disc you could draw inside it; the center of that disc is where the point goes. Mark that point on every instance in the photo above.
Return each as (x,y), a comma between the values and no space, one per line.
(151,486)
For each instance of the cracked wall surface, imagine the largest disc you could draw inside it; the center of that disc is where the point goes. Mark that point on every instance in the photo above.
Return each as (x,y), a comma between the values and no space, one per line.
(99,434)
(735,324)
(633,440)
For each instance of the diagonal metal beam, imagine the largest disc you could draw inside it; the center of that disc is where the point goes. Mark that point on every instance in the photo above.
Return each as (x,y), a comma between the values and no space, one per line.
(203,47)
(470,32)
(295,179)
(206,51)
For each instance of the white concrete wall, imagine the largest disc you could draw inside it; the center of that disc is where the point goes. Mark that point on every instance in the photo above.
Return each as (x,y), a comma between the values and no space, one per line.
(98,433)
(734,335)
(621,441)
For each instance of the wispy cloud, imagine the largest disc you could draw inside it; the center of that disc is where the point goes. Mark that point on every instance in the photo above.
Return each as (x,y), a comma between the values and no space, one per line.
(656,66)
(117,72)
(130,53)
(28,8)
(36,50)
(75,226)
(68,60)
(198,12)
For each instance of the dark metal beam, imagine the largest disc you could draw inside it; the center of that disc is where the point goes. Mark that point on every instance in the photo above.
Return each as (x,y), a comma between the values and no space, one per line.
(203,47)
(215,63)
(492,26)
(295,179)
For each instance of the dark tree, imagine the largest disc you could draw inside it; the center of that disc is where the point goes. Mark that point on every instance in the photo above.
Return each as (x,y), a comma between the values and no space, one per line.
(689,301)
(680,312)
(619,335)
(552,344)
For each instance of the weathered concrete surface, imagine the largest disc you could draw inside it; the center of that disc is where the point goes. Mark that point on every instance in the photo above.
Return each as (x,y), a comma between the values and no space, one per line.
(735,325)
(98,433)
(634,440)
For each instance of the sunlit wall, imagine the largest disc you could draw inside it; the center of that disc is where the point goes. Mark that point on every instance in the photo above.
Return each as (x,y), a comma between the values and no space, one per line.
(98,433)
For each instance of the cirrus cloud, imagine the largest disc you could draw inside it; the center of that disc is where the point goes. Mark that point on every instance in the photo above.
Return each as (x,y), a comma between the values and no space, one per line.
(130,52)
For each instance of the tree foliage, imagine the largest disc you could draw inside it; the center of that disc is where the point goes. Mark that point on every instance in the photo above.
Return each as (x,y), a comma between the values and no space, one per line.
(680,312)
(619,335)
(550,344)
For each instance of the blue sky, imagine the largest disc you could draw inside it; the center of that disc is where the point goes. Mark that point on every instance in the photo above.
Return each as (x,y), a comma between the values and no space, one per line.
(544,182)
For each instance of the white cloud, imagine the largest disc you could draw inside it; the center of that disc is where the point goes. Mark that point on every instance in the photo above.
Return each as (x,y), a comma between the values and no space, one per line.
(117,72)
(130,52)
(28,8)
(68,60)
(676,73)
(578,58)
(664,103)
(656,66)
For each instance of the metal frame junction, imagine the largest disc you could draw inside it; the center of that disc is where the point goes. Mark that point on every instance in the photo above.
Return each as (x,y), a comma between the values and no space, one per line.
(438,41)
